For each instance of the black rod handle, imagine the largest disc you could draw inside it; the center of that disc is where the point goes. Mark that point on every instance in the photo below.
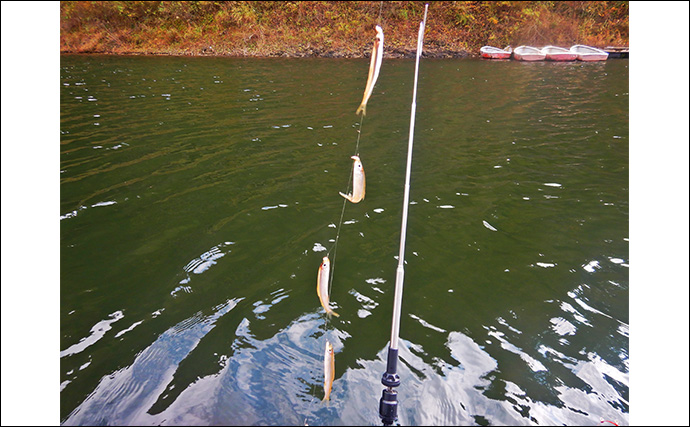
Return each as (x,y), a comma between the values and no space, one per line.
(388,406)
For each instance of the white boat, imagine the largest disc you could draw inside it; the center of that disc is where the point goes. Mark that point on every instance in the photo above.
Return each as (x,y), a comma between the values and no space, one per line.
(589,53)
(555,53)
(528,53)
(491,52)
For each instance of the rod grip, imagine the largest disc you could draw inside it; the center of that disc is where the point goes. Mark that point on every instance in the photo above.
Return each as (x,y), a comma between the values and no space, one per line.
(388,406)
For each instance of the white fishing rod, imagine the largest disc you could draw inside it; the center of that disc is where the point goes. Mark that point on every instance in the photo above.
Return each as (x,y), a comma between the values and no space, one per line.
(388,405)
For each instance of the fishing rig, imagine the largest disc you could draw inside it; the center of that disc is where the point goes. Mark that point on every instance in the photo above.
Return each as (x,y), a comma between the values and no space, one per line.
(326,273)
(388,404)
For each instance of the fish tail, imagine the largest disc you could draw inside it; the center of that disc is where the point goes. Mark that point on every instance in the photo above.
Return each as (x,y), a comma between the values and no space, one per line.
(362,109)
(347,196)
(334,313)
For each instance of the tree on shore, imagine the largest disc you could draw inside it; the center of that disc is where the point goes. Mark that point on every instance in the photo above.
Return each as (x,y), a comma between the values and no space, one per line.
(332,28)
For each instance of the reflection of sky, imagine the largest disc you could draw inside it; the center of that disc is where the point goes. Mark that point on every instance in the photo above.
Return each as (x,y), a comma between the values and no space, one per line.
(279,380)
(124,396)
(97,332)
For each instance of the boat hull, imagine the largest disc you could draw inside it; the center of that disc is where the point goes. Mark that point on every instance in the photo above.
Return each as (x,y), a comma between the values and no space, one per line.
(591,57)
(561,56)
(496,55)
(528,53)
(529,56)
(555,53)
(490,52)
(588,53)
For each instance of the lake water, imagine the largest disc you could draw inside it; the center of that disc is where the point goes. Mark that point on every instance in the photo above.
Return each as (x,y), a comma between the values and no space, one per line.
(198,196)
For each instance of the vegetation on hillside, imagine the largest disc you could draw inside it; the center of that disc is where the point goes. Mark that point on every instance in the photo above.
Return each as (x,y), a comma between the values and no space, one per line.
(333,28)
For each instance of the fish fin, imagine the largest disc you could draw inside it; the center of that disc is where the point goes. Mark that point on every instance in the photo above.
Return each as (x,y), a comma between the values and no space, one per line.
(347,196)
(362,109)
(334,313)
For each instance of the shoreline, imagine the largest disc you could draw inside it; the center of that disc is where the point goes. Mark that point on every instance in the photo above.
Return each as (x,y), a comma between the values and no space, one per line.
(311,53)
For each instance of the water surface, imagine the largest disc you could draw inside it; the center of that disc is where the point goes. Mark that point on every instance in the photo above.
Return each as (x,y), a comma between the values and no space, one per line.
(198,196)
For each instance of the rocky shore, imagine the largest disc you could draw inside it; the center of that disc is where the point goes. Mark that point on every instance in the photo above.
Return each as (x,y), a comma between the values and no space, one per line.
(430,51)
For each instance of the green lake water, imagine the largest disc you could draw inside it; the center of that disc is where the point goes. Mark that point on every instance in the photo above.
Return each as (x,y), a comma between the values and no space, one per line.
(198,196)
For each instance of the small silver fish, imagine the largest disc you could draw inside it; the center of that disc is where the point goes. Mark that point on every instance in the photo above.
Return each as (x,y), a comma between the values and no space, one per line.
(328,370)
(358,182)
(374,68)
(322,286)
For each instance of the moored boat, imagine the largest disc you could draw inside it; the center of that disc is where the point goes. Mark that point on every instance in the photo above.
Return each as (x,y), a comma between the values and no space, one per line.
(491,52)
(528,53)
(555,53)
(589,53)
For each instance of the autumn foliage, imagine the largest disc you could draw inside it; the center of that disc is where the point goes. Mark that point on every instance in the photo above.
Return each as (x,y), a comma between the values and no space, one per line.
(336,28)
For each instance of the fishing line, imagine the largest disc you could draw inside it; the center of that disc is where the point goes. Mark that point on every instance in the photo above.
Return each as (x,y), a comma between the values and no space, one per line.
(373,71)
(334,248)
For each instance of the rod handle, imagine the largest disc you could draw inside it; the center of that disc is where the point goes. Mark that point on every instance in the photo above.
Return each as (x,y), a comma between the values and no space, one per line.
(388,406)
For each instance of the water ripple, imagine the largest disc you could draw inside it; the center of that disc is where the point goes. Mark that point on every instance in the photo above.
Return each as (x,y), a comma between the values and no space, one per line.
(200,264)
(136,387)
(97,332)
(525,325)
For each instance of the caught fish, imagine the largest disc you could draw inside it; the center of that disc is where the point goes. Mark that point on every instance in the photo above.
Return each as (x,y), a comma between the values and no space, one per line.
(328,370)
(358,182)
(322,285)
(374,68)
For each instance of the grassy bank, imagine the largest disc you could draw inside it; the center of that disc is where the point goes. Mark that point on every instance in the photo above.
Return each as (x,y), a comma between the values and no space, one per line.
(332,29)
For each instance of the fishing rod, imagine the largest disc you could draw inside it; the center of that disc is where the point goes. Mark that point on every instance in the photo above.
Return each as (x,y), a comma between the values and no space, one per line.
(388,405)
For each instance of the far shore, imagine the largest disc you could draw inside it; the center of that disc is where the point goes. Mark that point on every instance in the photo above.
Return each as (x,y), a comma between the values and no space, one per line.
(333,29)
(310,53)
